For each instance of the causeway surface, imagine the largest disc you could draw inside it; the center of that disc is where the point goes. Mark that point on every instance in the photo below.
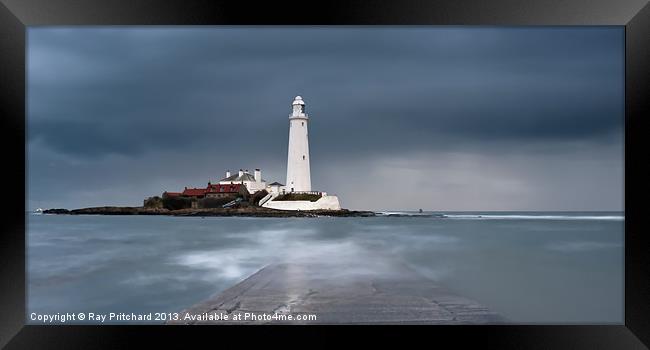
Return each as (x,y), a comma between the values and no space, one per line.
(341,295)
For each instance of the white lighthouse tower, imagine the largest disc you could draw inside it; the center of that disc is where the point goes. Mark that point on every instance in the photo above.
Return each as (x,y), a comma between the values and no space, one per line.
(298,173)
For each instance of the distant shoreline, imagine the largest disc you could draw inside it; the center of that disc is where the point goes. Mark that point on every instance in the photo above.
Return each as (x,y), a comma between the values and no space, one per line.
(218,212)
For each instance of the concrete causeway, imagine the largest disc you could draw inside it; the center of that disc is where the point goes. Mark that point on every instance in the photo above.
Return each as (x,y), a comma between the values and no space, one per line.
(339,295)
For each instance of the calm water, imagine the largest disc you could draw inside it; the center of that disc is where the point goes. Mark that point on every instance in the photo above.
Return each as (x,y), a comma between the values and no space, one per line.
(529,267)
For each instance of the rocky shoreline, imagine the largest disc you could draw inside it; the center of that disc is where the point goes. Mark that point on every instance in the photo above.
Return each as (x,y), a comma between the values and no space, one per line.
(242,212)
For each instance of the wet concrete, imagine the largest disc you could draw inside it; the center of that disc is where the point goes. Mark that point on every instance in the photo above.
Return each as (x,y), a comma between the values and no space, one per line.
(338,294)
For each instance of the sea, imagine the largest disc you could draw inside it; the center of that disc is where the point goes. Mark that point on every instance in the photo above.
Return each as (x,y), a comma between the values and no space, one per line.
(530,267)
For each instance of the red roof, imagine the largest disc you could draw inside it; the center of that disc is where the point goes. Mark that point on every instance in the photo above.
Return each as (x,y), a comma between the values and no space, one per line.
(194,192)
(212,188)
(230,188)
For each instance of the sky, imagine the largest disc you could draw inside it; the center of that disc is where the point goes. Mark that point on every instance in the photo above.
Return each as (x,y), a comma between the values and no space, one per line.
(401,118)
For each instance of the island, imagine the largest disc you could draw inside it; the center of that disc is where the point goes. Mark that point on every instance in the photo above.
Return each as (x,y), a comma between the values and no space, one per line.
(248,211)
(246,193)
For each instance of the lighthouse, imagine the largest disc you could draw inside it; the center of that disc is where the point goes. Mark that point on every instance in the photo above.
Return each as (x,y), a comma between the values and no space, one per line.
(298,172)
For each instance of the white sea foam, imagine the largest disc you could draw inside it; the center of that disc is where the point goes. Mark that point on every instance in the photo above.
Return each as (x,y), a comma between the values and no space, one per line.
(405,213)
(581,246)
(339,259)
(535,217)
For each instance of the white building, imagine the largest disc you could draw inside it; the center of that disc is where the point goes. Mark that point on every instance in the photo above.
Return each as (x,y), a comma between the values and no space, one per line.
(253,182)
(298,172)
(275,188)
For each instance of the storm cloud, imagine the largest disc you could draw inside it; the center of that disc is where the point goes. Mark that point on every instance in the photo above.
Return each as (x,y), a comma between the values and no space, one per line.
(445,118)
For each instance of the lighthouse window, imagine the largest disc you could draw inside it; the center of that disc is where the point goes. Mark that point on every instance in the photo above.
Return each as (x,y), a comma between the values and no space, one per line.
(303,123)
(302,108)
(303,157)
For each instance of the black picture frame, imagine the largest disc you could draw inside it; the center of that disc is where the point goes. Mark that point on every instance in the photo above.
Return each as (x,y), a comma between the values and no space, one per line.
(16,15)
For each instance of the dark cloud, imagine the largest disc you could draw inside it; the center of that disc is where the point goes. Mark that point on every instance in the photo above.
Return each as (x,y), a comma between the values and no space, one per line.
(220,95)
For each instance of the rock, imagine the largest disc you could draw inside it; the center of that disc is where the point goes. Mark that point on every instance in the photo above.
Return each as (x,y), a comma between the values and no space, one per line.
(56,211)
(244,211)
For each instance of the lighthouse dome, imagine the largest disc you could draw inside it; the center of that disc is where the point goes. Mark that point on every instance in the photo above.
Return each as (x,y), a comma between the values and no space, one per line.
(298,101)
